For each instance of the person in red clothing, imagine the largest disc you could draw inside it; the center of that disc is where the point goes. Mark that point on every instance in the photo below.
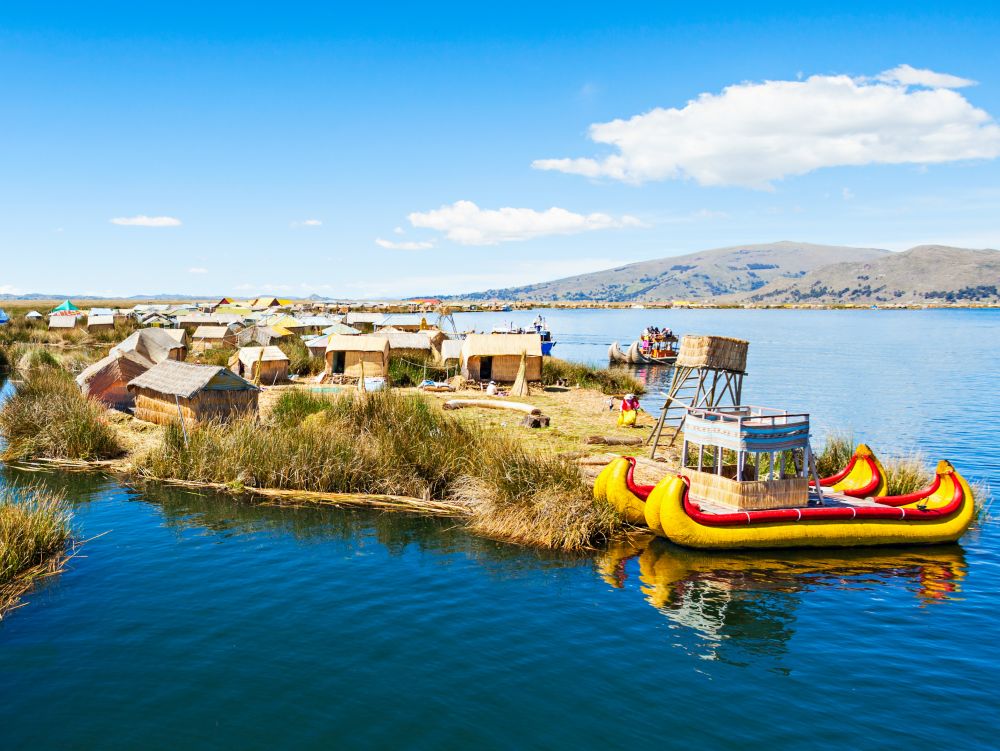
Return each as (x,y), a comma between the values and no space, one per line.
(629,411)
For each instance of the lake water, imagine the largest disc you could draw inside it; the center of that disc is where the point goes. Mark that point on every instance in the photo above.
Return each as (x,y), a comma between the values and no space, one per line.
(196,621)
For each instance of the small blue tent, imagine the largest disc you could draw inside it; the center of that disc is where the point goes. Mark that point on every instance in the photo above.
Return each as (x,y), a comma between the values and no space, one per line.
(4,318)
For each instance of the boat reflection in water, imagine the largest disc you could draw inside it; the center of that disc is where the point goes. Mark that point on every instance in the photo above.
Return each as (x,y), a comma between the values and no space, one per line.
(749,600)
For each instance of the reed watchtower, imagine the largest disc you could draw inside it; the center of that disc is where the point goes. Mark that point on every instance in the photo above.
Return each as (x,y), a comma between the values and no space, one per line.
(708,373)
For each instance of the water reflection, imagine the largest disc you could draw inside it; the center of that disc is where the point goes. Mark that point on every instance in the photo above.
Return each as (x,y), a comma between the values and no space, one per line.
(746,602)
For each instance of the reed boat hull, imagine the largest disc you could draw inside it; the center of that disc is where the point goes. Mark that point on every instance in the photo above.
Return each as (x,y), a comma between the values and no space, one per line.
(634,356)
(940,516)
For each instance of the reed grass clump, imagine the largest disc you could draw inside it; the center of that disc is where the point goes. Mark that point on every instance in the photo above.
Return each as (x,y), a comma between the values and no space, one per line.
(301,361)
(34,532)
(906,474)
(605,380)
(407,371)
(389,444)
(837,451)
(215,356)
(49,417)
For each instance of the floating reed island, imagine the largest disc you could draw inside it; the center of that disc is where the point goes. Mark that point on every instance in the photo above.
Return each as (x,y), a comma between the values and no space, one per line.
(346,409)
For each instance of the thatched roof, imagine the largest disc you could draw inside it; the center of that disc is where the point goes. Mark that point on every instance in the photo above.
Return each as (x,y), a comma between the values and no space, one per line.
(352,318)
(153,344)
(179,335)
(451,349)
(406,340)
(93,320)
(185,380)
(360,343)
(33,314)
(248,356)
(495,345)
(209,319)
(340,328)
(212,332)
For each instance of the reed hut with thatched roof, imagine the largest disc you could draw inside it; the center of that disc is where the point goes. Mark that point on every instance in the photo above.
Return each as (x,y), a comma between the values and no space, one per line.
(63,322)
(351,357)
(451,352)
(171,391)
(213,337)
(267,365)
(107,379)
(497,357)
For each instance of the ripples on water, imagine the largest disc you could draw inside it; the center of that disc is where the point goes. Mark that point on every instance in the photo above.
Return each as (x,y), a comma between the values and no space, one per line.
(198,621)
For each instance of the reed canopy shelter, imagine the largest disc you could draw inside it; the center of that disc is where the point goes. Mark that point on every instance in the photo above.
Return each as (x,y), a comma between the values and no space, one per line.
(213,337)
(352,357)
(497,357)
(172,391)
(267,365)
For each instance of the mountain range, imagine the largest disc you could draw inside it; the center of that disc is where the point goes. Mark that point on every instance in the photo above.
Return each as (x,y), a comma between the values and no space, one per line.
(784,272)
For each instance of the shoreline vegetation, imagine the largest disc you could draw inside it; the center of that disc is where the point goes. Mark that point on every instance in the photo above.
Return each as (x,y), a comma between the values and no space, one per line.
(34,539)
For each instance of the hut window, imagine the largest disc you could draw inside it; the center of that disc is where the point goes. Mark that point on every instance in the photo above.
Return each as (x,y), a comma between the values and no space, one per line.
(485,368)
(339,362)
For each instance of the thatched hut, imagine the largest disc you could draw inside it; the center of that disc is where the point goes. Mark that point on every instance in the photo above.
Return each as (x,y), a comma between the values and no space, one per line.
(356,356)
(107,380)
(193,321)
(171,390)
(100,323)
(412,346)
(497,357)
(451,352)
(213,337)
(266,365)
(63,322)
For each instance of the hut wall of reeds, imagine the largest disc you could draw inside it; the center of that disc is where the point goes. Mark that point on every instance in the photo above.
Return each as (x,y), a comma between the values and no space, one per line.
(175,390)
(497,357)
(107,379)
(262,365)
(213,337)
(354,356)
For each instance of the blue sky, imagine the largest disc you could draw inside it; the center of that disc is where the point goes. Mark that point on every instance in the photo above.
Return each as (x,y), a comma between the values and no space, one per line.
(295,149)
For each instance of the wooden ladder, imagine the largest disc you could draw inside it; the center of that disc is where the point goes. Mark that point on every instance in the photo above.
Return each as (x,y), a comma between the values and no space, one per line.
(689,388)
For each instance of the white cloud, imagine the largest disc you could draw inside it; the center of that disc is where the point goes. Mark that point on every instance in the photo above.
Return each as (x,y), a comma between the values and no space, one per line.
(753,133)
(465,223)
(399,231)
(910,76)
(146,221)
(413,245)
(197,270)
(308,223)
(7,289)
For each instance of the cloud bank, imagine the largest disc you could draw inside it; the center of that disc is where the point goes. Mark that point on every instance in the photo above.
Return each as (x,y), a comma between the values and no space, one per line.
(465,223)
(754,133)
(146,221)
(404,245)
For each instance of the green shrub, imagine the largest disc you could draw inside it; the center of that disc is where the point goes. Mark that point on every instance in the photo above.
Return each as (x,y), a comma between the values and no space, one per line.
(836,452)
(49,417)
(605,380)
(294,406)
(220,356)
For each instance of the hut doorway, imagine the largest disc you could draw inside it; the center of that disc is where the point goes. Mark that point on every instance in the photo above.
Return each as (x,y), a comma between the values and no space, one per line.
(485,368)
(339,362)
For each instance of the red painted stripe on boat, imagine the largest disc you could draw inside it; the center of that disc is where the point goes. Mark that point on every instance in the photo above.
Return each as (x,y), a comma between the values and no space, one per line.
(642,491)
(823,513)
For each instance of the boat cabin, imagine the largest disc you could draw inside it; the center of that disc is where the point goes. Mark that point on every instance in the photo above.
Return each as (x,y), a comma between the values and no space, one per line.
(748,457)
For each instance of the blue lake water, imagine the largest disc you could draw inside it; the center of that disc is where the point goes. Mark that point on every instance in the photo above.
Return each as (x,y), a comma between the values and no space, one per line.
(195,621)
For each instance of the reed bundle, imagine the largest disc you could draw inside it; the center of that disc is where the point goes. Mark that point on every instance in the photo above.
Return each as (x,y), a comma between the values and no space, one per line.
(716,352)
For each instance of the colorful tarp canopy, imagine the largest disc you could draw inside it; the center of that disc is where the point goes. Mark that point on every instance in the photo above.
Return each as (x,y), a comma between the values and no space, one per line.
(64,306)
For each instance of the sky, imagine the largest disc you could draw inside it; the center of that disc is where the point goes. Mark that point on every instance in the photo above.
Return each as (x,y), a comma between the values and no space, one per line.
(420,149)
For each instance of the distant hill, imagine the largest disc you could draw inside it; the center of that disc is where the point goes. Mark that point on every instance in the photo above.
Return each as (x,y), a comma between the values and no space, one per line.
(42,296)
(696,276)
(924,274)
